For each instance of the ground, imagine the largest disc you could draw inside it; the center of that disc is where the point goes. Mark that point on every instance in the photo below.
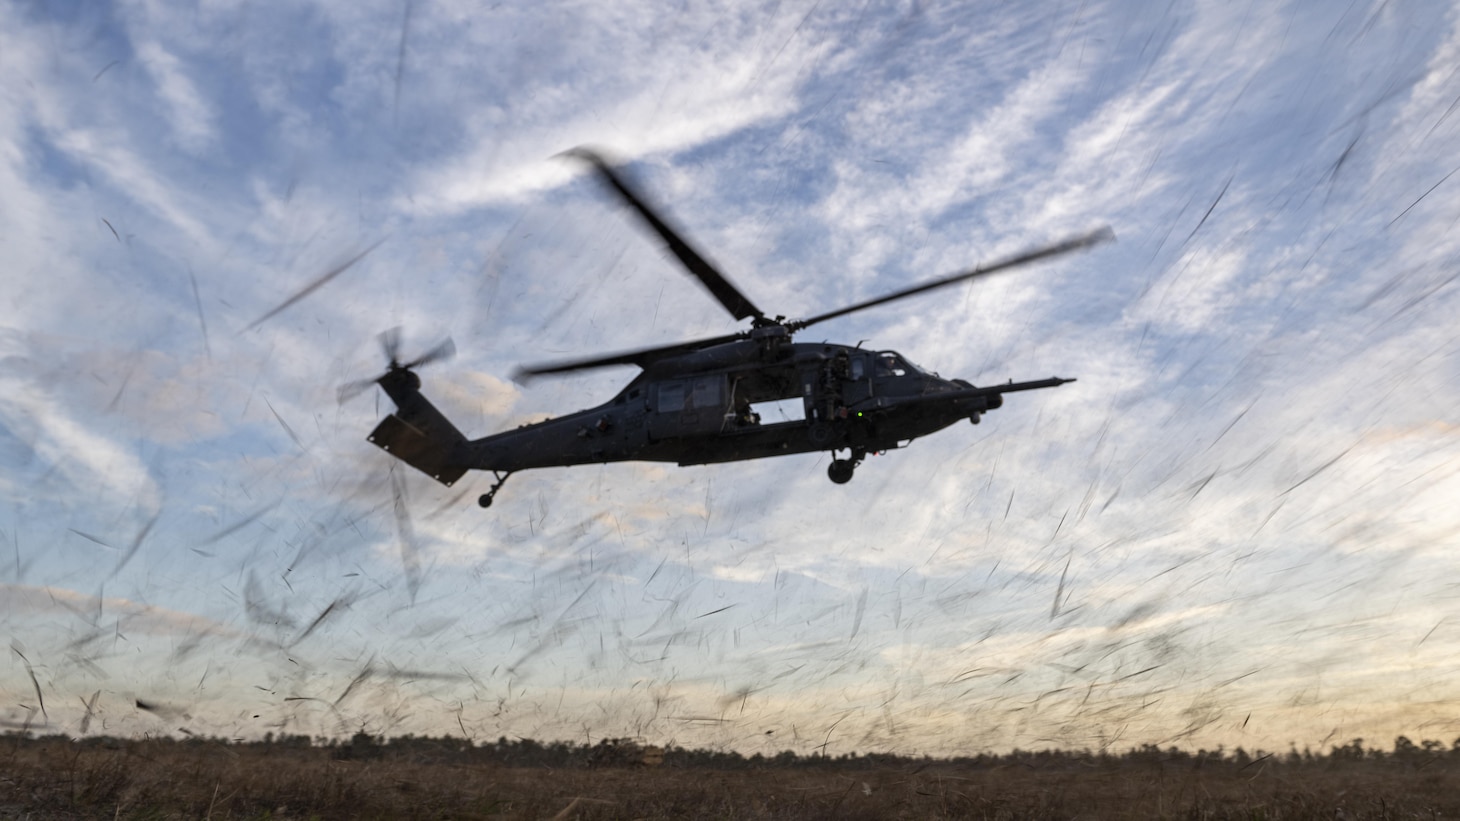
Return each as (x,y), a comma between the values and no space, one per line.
(165,779)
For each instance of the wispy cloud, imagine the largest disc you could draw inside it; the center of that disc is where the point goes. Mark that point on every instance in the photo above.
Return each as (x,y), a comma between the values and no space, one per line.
(89,458)
(22,601)
(192,118)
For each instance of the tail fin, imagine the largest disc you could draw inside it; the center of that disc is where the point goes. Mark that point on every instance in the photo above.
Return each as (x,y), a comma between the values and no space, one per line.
(417,433)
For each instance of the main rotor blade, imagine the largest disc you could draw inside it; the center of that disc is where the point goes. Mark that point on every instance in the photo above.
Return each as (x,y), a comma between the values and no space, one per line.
(720,287)
(1073,244)
(642,357)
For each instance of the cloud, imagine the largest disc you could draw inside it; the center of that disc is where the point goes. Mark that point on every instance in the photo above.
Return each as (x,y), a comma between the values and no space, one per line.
(70,445)
(130,173)
(193,120)
(672,93)
(22,601)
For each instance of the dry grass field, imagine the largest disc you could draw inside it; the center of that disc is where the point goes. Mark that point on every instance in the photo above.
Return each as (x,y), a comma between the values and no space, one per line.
(53,778)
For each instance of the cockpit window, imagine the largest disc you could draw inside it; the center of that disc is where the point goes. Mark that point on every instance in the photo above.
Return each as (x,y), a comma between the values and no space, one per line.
(891,363)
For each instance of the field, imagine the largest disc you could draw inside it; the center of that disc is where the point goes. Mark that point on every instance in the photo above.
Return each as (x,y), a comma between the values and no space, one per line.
(55,777)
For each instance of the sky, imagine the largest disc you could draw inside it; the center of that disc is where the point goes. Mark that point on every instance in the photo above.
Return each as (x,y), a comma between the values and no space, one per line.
(1233,529)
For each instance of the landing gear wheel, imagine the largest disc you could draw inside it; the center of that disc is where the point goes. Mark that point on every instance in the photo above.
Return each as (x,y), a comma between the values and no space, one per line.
(840,470)
(485,500)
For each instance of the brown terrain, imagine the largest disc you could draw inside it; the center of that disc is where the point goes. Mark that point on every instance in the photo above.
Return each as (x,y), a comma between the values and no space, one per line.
(56,777)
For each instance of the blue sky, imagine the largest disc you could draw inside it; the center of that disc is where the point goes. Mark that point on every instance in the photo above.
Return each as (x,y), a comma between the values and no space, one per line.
(1235,528)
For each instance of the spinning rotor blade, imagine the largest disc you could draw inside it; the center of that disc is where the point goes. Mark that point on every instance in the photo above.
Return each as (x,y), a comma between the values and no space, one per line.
(641,357)
(350,390)
(390,341)
(390,344)
(720,287)
(1073,244)
(445,350)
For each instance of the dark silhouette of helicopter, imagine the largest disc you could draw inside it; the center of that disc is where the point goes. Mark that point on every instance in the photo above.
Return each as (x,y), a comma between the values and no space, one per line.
(709,400)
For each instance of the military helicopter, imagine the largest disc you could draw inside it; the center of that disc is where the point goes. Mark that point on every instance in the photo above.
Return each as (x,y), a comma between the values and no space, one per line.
(707,401)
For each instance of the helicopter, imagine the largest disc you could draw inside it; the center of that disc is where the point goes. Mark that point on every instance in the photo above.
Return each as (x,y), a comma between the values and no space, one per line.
(749,394)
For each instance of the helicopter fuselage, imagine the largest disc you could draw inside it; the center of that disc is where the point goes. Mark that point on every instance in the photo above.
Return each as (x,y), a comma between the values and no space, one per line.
(729,402)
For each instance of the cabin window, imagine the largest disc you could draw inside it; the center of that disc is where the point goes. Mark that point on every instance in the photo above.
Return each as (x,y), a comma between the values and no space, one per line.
(779,410)
(859,367)
(706,393)
(671,397)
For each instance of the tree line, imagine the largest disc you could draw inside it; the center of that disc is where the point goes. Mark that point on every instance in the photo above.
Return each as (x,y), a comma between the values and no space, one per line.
(625,752)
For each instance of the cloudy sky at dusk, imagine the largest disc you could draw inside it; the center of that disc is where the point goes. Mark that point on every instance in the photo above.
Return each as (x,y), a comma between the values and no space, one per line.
(1238,527)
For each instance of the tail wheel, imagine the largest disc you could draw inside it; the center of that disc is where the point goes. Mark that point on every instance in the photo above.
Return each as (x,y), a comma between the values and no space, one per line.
(485,500)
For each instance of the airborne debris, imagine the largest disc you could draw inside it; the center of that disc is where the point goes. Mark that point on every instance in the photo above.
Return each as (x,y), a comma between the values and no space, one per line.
(314,286)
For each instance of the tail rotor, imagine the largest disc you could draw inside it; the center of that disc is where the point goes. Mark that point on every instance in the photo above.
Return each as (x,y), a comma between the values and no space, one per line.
(390,344)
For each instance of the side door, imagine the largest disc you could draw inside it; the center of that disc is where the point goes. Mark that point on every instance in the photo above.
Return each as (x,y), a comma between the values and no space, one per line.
(858,385)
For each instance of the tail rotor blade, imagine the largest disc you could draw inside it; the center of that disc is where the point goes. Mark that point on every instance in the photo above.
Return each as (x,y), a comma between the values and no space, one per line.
(445,350)
(350,390)
(390,343)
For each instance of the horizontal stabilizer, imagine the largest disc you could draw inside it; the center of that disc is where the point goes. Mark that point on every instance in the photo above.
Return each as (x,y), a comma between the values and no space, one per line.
(410,444)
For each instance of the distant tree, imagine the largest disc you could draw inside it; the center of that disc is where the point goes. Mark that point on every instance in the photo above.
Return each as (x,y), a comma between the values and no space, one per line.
(1352,751)
(362,747)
